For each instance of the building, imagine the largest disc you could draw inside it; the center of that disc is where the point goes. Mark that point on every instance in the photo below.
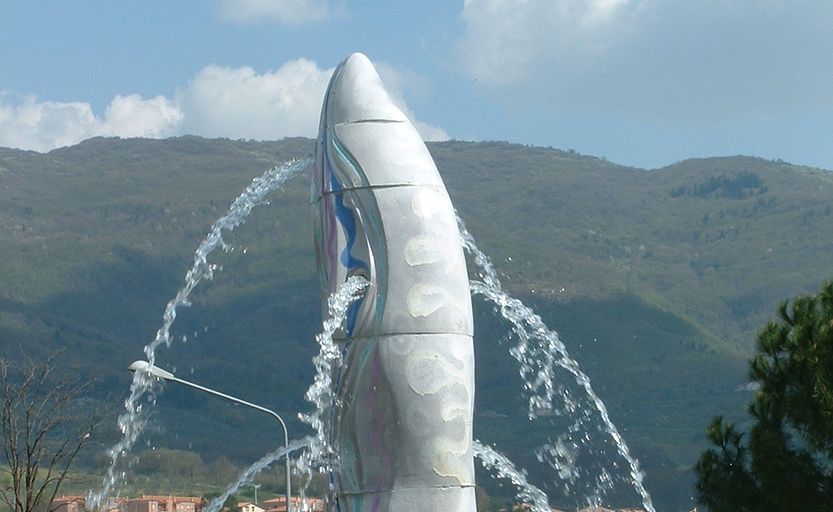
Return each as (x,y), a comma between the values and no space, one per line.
(296,505)
(144,504)
(141,505)
(68,504)
(248,506)
(78,504)
(164,504)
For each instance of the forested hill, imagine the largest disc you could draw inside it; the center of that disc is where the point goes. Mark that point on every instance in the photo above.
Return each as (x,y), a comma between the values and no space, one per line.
(717,241)
(656,279)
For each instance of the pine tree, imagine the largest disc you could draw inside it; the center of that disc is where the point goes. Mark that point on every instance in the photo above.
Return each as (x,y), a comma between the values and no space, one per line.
(785,461)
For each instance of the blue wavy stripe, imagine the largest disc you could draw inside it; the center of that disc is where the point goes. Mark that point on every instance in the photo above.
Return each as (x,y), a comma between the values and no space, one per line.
(348,222)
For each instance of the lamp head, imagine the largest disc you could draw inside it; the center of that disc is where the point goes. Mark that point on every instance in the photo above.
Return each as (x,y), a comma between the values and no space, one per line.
(144,366)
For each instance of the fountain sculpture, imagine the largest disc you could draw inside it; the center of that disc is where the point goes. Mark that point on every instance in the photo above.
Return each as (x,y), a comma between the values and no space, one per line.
(393,400)
(401,424)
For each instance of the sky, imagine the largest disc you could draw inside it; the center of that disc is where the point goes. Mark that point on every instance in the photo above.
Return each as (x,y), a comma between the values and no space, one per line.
(640,82)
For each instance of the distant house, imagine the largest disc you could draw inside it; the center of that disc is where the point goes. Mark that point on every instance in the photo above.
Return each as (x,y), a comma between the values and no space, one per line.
(296,505)
(144,504)
(78,504)
(248,506)
(68,504)
(164,504)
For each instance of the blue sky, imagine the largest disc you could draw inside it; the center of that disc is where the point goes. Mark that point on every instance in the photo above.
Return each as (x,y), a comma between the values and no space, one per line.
(640,82)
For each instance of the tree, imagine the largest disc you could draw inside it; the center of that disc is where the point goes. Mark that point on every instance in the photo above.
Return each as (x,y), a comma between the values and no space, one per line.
(170,463)
(222,471)
(46,423)
(785,461)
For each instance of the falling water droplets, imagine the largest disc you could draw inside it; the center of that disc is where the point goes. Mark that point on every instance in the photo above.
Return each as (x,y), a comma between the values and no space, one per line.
(540,352)
(320,393)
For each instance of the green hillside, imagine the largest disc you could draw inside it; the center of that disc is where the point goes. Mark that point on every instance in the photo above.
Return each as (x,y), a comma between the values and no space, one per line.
(656,280)
(716,241)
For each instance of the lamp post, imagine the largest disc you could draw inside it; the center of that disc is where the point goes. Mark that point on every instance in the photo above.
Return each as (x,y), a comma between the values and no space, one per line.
(144,366)
(257,486)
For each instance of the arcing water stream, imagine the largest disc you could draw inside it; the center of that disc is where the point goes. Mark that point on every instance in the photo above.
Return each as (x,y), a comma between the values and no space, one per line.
(132,422)
(539,351)
(316,448)
(503,468)
(248,474)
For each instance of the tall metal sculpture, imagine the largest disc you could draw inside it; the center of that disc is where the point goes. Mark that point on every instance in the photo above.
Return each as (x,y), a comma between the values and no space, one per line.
(402,421)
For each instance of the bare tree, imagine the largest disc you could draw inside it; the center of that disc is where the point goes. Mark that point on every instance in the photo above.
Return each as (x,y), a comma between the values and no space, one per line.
(46,422)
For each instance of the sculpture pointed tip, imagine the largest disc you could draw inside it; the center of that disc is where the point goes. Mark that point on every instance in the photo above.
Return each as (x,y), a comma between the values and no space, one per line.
(357,94)
(357,59)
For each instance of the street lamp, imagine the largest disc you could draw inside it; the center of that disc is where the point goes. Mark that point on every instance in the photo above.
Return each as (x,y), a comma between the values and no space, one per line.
(144,366)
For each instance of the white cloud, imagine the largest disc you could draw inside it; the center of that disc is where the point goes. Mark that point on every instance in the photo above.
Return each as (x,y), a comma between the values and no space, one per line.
(43,125)
(508,41)
(240,103)
(217,102)
(131,116)
(662,60)
(284,12)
